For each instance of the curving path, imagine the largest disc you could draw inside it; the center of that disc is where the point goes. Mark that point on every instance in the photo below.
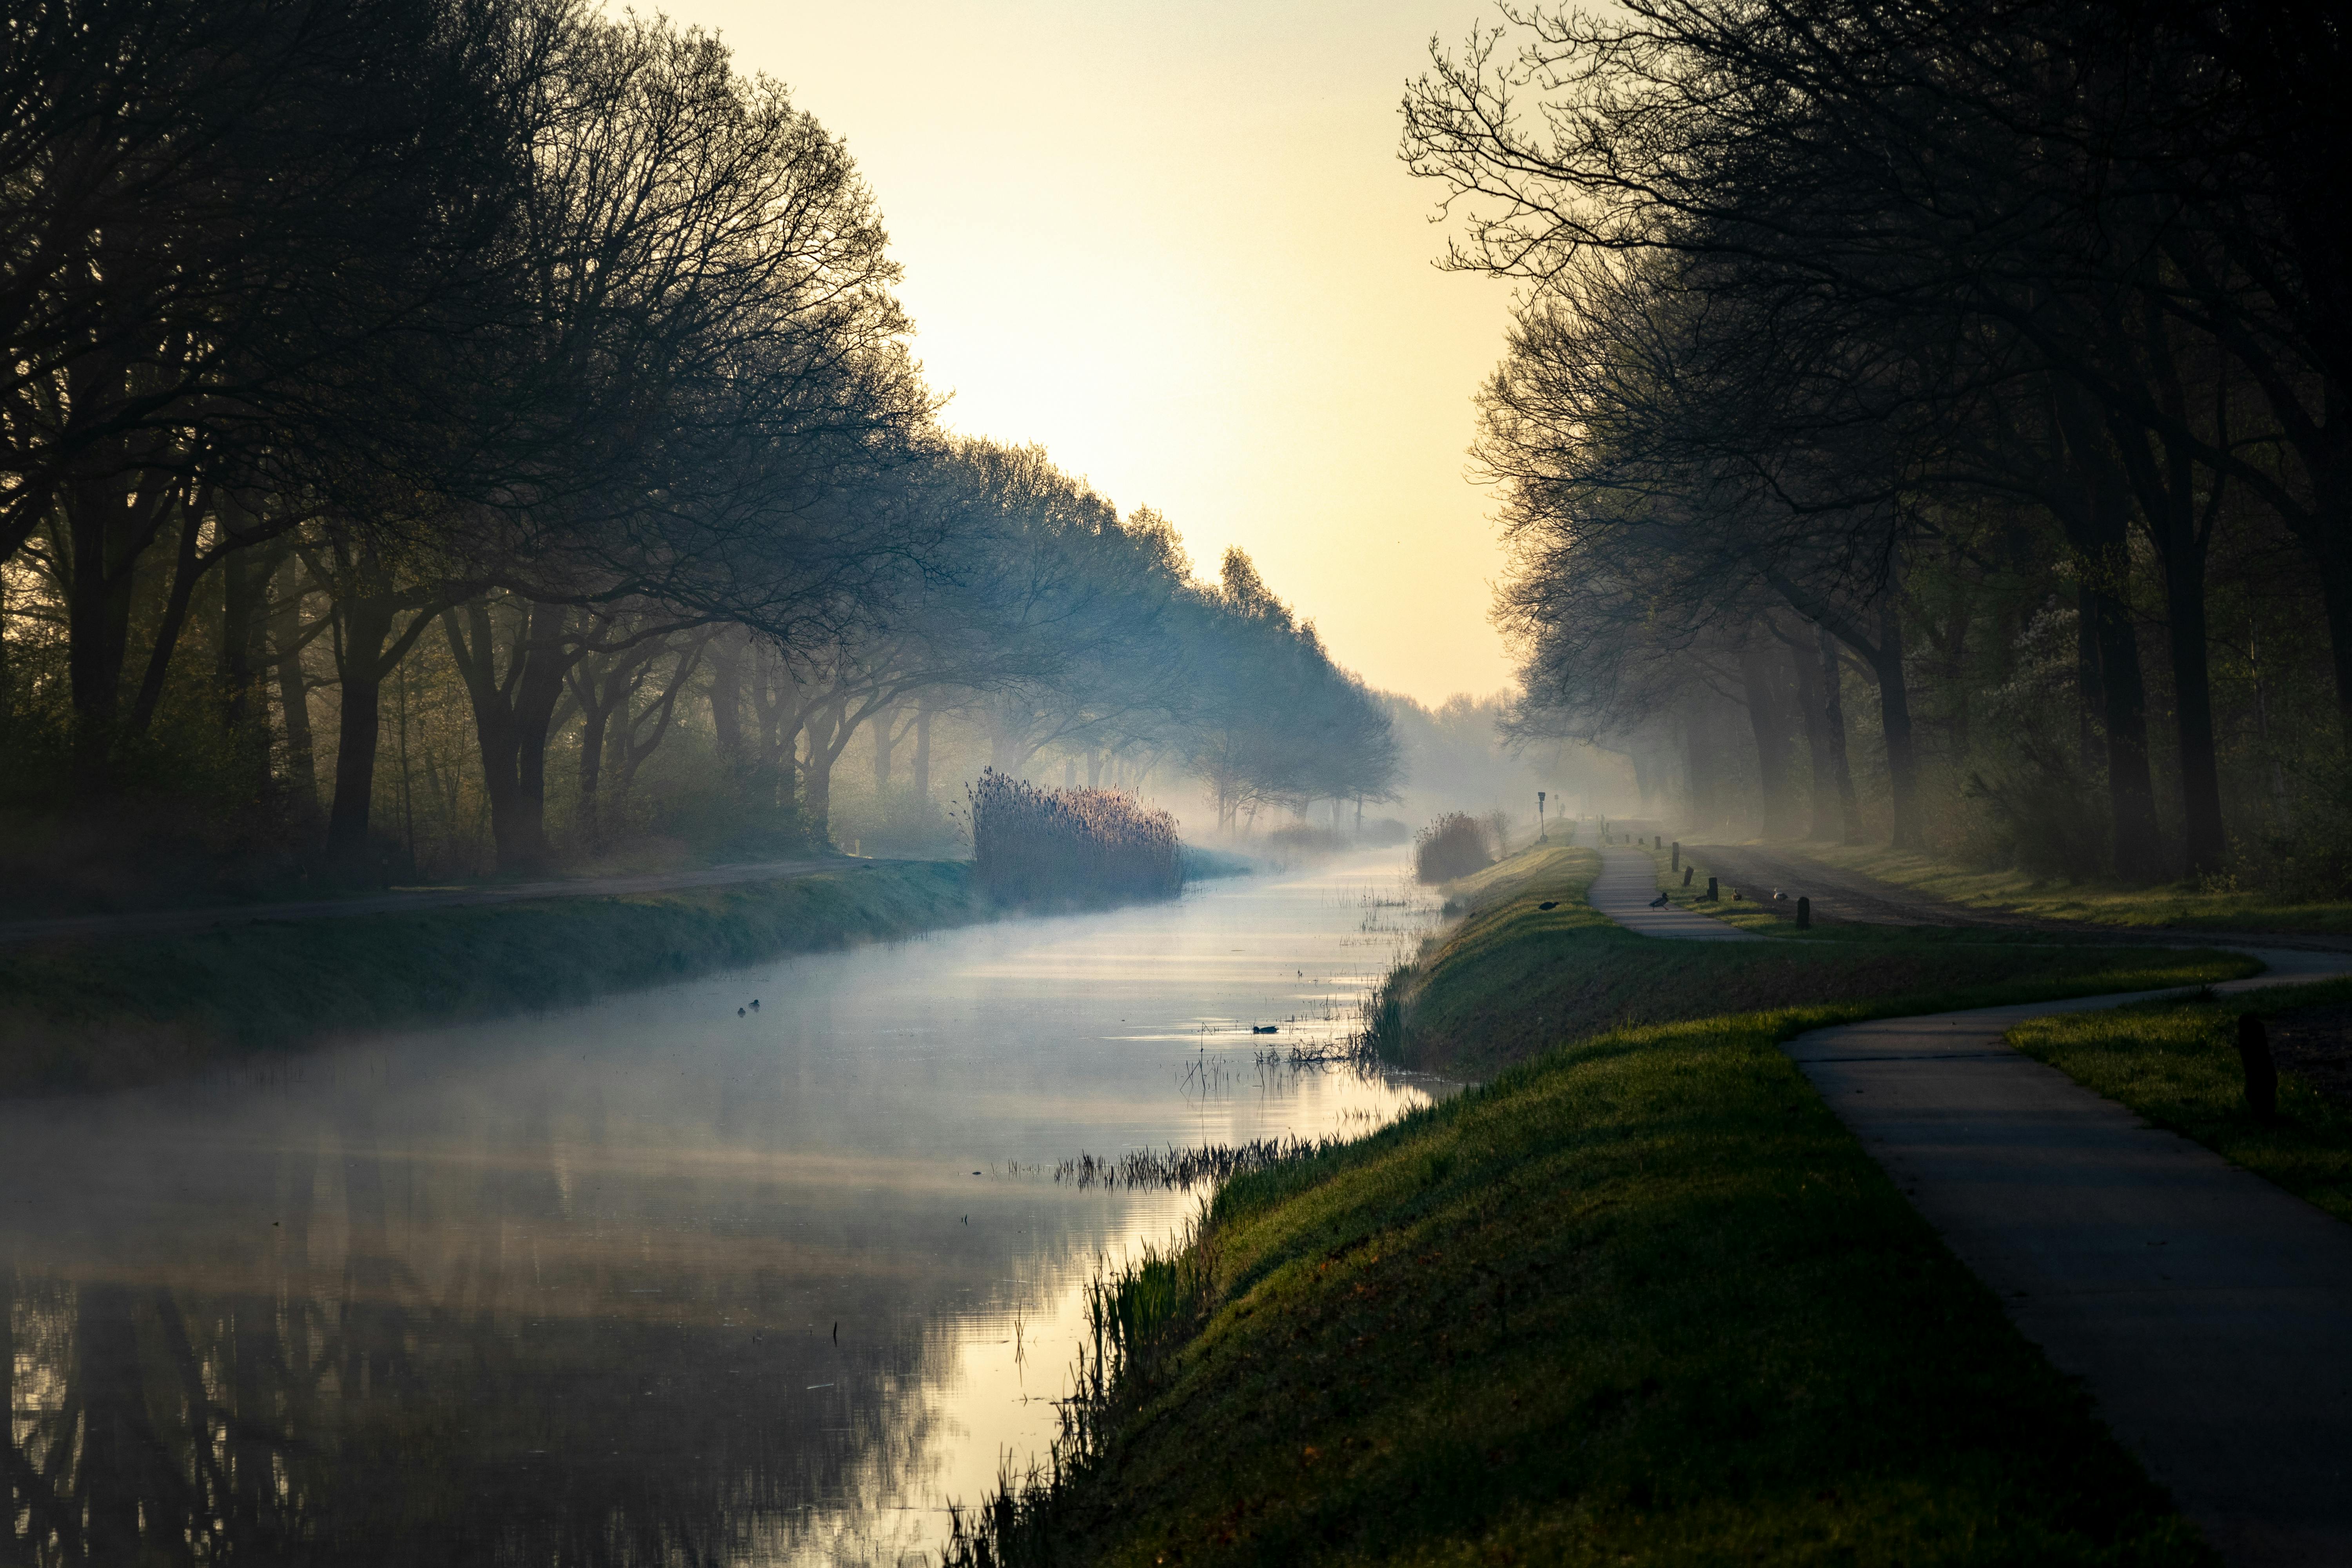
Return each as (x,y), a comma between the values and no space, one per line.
(2209,1313)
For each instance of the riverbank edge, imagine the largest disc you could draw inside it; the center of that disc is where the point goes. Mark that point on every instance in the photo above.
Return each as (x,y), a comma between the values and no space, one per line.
(1806,1246)
(1530,964)
(99,1014)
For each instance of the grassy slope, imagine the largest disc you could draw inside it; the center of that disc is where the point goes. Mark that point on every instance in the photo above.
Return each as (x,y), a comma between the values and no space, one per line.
(2177,1065)
(2170,904)
(1642,1300)
(98,1015)
(1513,978)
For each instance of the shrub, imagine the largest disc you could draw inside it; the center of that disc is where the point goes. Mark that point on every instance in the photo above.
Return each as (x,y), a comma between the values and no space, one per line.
(1453,845)
(1029,843)
(1301,839)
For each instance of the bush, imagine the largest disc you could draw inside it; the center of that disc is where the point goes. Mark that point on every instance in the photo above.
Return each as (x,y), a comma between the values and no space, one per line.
(1453,845)
(1301,839)
(1032,843)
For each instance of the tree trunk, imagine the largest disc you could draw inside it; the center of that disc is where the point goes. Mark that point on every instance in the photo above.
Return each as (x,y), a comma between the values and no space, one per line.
(1823,792)
(2095,515)
(294,689)
(884,744)
(512,716)
(726,698)
(2206,843)
(921,766)
(595,714)
(816,772)
(1765,722)
(367,626)
(2131,792)
(2087,686)
(243,658)
(97,627)
(1699,767)
(1833,727)
(1894,720)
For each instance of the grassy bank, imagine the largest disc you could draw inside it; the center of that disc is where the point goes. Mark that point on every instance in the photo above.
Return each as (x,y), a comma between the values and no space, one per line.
(1513,978)
(2177,1065)
(2187,904)
(102,1013)
(1639,1299)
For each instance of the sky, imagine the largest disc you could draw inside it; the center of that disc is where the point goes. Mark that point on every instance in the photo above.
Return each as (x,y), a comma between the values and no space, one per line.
(1173,245)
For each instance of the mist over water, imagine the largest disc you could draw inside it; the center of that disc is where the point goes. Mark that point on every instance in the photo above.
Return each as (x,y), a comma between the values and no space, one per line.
(566,1288)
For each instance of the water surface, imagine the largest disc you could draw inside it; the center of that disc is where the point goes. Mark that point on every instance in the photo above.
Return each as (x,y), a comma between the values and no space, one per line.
(649,1280)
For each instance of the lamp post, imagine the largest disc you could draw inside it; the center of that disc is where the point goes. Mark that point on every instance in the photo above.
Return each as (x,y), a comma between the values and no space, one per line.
(1543,834)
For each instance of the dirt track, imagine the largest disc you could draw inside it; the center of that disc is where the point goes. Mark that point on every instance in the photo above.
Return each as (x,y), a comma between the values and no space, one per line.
(1840,895)
(1756,872)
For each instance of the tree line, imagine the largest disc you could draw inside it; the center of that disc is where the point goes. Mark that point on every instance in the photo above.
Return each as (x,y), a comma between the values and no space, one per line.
(1927,420)
(380,370)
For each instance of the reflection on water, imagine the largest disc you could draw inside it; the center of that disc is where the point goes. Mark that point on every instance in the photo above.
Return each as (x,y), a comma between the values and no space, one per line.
(646,1281)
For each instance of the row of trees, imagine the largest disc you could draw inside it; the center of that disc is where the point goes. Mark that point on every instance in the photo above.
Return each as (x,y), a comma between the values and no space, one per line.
(503,363)
(1986,363)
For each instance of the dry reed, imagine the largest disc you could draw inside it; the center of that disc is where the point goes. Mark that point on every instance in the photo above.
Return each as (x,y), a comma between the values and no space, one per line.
(1034,844)
(1453,845)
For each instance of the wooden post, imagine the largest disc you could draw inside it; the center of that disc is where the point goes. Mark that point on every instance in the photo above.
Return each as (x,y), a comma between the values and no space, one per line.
(2262,1072)
(1804,914)
(1678,854)
(1710,890)
(1686,873)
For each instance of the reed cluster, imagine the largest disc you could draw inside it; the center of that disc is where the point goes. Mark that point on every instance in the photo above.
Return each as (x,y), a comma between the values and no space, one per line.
(1187,1167)
(1453,845)
(1032,843)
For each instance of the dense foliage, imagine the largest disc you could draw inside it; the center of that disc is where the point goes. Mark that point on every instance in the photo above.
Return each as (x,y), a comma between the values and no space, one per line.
(443,436)
(1967,382)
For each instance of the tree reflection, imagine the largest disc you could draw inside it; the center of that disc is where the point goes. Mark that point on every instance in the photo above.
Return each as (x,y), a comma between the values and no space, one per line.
(421,1362)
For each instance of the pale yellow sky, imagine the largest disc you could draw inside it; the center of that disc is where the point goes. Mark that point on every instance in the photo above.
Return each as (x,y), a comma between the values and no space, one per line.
(1173,243)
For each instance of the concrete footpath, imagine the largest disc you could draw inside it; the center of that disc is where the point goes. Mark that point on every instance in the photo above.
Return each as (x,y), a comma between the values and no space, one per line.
(1629,880)
(2207,1312)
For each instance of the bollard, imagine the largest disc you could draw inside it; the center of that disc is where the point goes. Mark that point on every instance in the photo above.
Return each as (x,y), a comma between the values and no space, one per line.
(1710,889)
(1678,854)
(1659,842)
(1804,914)
(1686,873)
(2262,1072)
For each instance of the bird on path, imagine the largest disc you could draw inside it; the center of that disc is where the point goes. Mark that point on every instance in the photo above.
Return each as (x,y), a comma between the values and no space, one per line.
(1659,903)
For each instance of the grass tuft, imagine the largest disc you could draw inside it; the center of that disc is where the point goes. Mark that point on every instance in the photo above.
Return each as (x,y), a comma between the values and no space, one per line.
(2176,1063)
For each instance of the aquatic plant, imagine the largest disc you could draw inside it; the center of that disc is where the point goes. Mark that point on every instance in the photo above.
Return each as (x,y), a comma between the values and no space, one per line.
(1031,843)
(1453,845)
(1187,1167)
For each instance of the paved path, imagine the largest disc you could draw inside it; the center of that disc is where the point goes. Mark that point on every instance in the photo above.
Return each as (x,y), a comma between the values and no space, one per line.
(1629,880)
(163,922)
(2209,1312)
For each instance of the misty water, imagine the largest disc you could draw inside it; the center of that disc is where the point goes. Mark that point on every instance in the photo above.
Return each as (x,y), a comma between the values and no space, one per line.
(565,1288)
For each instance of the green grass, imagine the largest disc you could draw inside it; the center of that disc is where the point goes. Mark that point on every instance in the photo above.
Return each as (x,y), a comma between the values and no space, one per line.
(99,1014)
(2110,903)
(1513,978)
(2176,1063)
(1642,1302)
(1640,1299)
